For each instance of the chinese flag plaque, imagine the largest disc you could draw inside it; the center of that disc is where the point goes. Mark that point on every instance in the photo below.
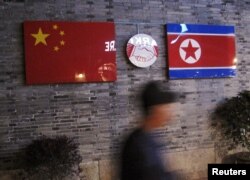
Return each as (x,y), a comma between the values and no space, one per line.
(69,52)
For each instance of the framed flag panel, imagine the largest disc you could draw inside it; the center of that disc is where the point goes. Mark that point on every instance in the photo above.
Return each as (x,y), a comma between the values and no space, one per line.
(69,52)
(201,51)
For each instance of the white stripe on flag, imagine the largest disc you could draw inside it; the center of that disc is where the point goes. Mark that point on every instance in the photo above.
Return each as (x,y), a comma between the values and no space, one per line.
(186,68)
(200,34)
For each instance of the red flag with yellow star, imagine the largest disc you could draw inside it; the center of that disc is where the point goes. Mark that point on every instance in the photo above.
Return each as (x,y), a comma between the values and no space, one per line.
(69,52)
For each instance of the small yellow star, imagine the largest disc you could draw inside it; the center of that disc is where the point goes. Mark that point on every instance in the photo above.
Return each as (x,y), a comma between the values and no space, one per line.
(62,33)
(62,43)
(40,37)
(56,48)
(55,27)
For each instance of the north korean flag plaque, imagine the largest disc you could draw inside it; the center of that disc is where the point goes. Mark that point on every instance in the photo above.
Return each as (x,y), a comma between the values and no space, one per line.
(201,51)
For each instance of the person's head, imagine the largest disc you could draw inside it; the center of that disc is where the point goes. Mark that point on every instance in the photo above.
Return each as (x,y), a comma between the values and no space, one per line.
(157,103)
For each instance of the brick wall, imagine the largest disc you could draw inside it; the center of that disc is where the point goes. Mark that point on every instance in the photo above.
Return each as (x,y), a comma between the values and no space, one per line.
(99,115)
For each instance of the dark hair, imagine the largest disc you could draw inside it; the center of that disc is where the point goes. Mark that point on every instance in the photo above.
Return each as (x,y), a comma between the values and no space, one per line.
(152,94)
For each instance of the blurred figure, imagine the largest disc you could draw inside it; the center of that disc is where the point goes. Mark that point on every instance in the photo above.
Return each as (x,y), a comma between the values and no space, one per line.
(141,159)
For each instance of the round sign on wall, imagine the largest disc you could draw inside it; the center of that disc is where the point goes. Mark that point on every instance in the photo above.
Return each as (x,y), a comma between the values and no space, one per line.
(142,50)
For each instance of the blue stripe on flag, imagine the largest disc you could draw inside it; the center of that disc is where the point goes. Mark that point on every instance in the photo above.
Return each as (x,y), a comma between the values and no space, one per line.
(201,73)
(200,28)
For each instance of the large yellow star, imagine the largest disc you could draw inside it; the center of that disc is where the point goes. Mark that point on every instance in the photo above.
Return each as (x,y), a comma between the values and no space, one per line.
(40,37)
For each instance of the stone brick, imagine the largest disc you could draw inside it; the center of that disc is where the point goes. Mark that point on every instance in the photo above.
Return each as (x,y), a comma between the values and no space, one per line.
(191,162)
(89,171)
(108,170)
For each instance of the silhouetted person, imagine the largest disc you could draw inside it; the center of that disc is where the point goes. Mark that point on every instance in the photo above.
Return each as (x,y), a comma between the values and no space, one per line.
(141,158)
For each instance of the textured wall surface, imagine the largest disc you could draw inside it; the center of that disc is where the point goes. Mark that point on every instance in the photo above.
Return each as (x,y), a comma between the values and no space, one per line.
(99,115)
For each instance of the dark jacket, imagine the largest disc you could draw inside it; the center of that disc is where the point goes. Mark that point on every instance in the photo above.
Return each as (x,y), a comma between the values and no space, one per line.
(141,159)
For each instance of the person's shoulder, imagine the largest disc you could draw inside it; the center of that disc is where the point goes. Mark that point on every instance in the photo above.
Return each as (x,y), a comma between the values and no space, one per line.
(137,133)
(135,136)
(133,141)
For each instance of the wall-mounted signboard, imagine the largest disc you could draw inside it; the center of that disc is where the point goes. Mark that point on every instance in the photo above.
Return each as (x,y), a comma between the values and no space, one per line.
(142,50)
(200,51)
(69,52)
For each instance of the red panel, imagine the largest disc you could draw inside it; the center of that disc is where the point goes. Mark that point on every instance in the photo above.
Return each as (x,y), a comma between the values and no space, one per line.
(212,54)
(68,52)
